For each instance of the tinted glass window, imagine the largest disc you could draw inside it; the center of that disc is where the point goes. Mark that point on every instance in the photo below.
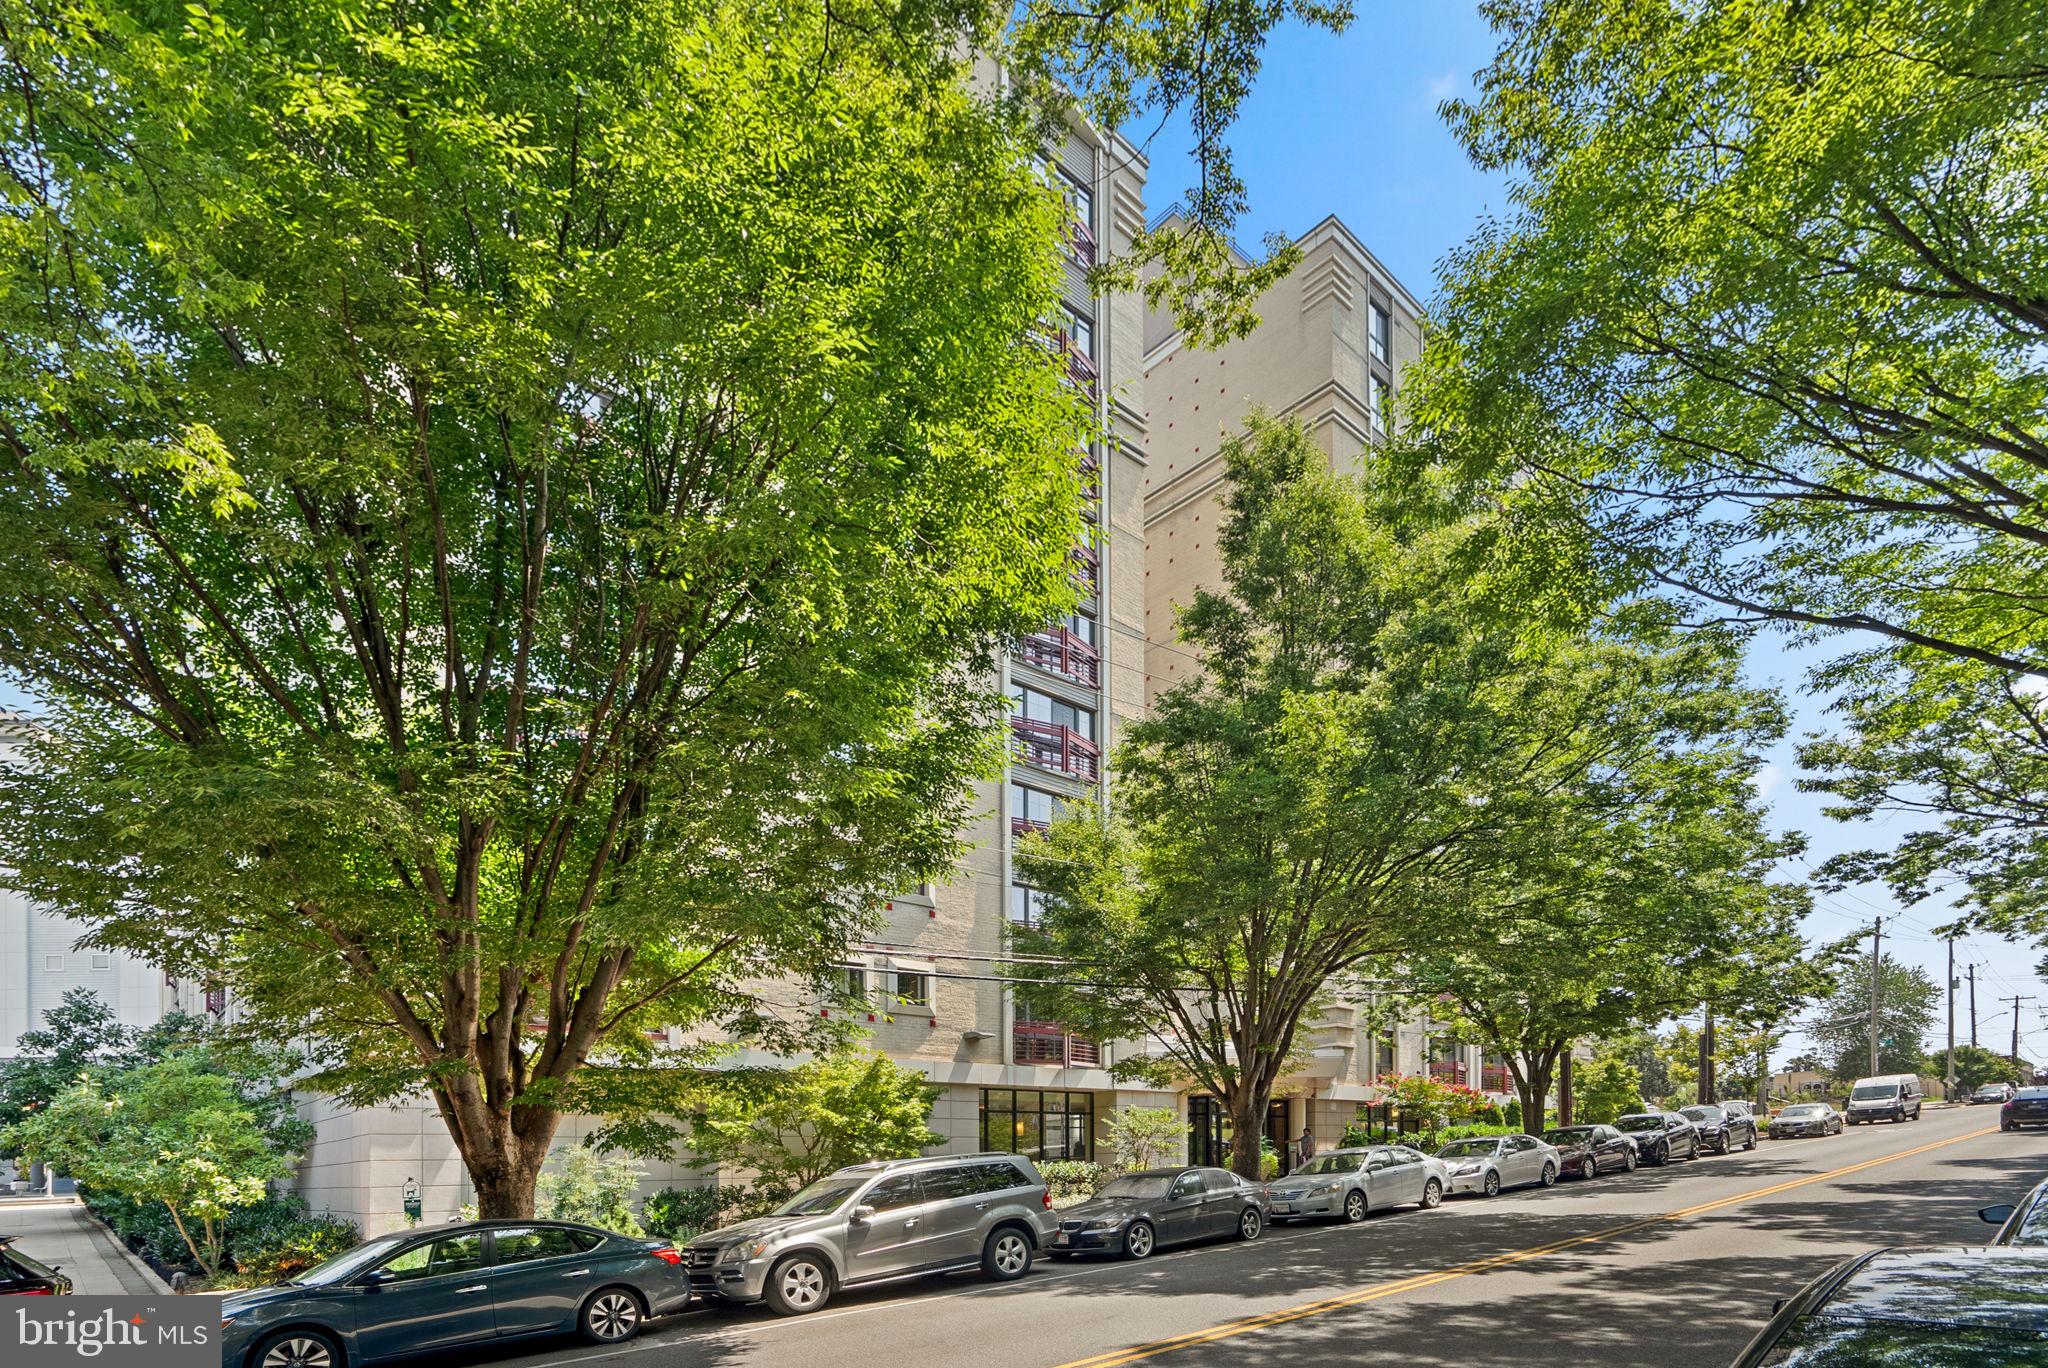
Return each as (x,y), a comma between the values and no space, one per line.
(892,1194)
(946,1184)
(456,1254)
(1218,1180)
(999,1177)
(1526,1143)
(1188,1185)
(537,1242)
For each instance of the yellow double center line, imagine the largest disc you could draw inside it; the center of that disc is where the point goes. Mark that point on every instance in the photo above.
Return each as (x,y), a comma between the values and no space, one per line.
(1232,1329)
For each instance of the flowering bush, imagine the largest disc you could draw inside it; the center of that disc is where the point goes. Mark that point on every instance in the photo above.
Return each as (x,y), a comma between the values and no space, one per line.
(1430,1104)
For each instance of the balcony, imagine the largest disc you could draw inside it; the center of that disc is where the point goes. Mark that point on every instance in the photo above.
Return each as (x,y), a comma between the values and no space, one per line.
(1058,651)
(1087,570)
(1495,1078)
(1060,749)
(1447,1070)
(1024,826)
(1080,242)
(1080,366)
(1091,475)
(1039,1042)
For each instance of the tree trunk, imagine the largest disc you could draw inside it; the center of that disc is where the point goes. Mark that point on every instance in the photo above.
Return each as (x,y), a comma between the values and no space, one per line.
(1248,1102)
(503,1149)
(1566,1103)
(1532,1089)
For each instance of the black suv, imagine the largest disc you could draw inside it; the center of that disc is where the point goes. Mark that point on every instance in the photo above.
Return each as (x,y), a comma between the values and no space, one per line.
(1720,1128)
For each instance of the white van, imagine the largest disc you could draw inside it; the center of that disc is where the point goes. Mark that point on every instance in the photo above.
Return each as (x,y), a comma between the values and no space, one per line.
(1889,1097)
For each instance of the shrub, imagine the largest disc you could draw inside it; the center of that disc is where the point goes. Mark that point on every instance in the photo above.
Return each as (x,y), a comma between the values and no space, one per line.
(681,1214)
(593,1188)
(1511,1116)
(280,1252)
(1605,1088)
(1269,1162)
(816,1118)
(1144,1137)
(1070,1178)
(1472,1132)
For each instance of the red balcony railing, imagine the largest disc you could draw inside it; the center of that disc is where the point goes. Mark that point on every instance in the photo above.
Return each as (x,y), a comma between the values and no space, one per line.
(1447,1070)
(1080,366)
(1024,826)
(1087,570)
(1058,651)
(1053,747)
(1495,1078)
(1091,474)
(217,1001)
(1037,1042)
(1081,242)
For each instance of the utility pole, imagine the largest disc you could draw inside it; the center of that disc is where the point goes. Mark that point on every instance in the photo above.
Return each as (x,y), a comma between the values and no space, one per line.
(1973,1006)
(1706,1088)
(1876,968)
(1948,1084)
(2016,1001)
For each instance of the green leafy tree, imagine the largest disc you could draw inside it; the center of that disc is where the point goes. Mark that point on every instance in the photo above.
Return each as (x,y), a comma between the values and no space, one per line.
(1640,884)
(797,1126)
(169,1132)
(1144,1137)
(1603,1088)
(1362,734)
(1976,1066)
(1811,386)
(1907,1000)
(80,1032)
(592,1187)
(508,512)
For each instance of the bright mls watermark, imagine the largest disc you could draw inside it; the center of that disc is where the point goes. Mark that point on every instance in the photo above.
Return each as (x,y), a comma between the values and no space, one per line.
(145,1332)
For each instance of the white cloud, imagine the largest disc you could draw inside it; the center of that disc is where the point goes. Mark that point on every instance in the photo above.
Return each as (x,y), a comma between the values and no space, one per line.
(1441,87)
(1767,779)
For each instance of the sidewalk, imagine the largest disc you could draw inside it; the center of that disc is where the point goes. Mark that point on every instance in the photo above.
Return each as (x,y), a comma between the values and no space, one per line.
(64,1233)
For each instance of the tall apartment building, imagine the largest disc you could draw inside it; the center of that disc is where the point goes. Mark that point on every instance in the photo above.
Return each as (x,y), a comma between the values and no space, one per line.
(1333,340)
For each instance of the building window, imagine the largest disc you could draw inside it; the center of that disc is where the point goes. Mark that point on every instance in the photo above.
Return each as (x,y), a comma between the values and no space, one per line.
(1376,402)
(53,964)
(913,989)
(1027,904)
(1382,1056)
(1080,196)
(1382,335)
(850,980)
(1038,1125)
(1033,706)
(1082,626)
(102,963)
(1080,332)
(1031,809)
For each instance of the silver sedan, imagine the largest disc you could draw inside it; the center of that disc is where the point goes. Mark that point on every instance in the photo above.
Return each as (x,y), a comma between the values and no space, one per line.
(1351,1182)
(1486,1164)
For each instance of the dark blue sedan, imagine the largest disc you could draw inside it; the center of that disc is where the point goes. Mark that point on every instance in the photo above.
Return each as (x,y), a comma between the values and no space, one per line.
(422,1291)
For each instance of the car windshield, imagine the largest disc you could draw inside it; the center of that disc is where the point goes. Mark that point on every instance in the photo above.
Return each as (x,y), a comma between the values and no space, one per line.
(825,1195)
(1818,1341)
(1569,1135)
(1700,1113)
(1329,1163)
(1467,1149)
(1864,1092)
(348,1263)
(1136,1186)
(1810,1109)
(2031,1095)
(1640,1123)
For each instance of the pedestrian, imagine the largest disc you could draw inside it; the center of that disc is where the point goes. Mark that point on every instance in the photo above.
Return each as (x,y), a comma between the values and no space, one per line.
(1307,1147)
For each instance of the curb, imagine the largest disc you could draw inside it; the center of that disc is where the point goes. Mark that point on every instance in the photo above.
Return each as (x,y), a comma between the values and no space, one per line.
(108,1237)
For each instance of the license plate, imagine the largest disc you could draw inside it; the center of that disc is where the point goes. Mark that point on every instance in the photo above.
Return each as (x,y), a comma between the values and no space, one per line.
(1283,1206)
(1060,1238)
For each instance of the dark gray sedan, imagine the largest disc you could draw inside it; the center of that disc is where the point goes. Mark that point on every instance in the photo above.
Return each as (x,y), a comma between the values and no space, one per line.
(1140,1212)
(423,1291)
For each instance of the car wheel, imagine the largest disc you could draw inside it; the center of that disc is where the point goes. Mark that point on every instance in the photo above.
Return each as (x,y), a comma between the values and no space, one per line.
(1750,1143)
(1138,1241)
(296,1349)
(613,1316)
(1432,1195)
(1250,1223)
(1628,1161)
(1590,1168)
(1354,1206)
(1550,1175)
(1007,1255)
(1492,1183)
(798,1285)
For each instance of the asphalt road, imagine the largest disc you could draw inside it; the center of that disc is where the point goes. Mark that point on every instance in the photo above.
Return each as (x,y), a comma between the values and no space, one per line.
(1663,1266)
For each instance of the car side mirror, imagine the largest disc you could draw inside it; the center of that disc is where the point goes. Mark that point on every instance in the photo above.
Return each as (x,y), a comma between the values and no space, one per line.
(862,1214)
(376,1278)
(1778,1304)
(1996,1215)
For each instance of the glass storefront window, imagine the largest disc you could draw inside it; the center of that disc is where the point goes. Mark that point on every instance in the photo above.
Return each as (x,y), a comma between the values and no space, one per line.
(1038,1125)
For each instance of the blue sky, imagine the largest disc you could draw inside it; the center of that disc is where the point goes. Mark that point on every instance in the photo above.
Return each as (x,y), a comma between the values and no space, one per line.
(1348,125)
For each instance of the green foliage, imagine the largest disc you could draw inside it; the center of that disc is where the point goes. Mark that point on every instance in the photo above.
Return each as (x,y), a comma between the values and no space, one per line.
(592,1187)
(78,1033)
(1810,384)
(1144,1137)
(1603,1088)
(1443,1135)
(286,1243)
(1976,1066)
(1071,1179)
(1428,1104)
(1907,1003)
(506,514)
(806,1122)
(1511,1115)
(681,1214)
(167,1132)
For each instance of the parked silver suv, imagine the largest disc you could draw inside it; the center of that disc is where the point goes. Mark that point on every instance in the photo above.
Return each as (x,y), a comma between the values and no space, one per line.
(872,1222)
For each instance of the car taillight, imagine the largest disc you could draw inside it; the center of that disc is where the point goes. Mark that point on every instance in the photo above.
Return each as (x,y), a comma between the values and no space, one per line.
(1045,1199)
(37,1292)
(668,1254)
